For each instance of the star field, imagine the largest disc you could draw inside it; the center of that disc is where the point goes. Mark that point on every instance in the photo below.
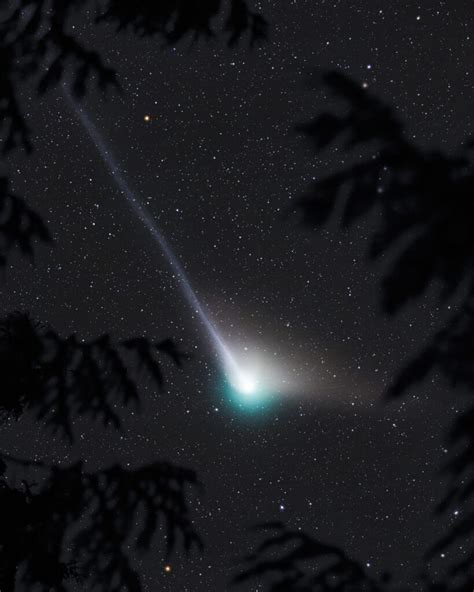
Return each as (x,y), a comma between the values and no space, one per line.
(206,137)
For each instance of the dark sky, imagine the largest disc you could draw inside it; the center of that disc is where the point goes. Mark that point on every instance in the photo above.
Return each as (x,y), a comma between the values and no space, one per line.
(217,166)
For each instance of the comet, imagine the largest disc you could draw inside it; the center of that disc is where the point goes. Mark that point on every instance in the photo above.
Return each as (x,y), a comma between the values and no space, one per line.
(240,380)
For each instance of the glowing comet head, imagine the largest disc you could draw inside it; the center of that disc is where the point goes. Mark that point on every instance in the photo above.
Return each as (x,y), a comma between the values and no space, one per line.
(246,388)
(245,384)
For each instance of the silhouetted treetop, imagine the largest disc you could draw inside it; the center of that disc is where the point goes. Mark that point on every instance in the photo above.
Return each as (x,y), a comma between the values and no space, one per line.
(459,539)
(38,43)
(424,198)
(59,378)
(173,20)
(422,213)
(79,525)
(449,354)
(20,227)
(292,561)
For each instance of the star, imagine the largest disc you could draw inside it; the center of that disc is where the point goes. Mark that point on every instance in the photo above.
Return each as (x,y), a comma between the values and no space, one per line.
(167,568)
(146,118)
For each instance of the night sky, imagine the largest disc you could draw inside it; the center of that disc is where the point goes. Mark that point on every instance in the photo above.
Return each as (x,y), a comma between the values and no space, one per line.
(217,163)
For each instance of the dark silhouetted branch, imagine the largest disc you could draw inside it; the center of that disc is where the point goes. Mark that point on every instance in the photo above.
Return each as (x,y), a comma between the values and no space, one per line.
(292,561)
(59,378)
(79,525)
(422,213)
